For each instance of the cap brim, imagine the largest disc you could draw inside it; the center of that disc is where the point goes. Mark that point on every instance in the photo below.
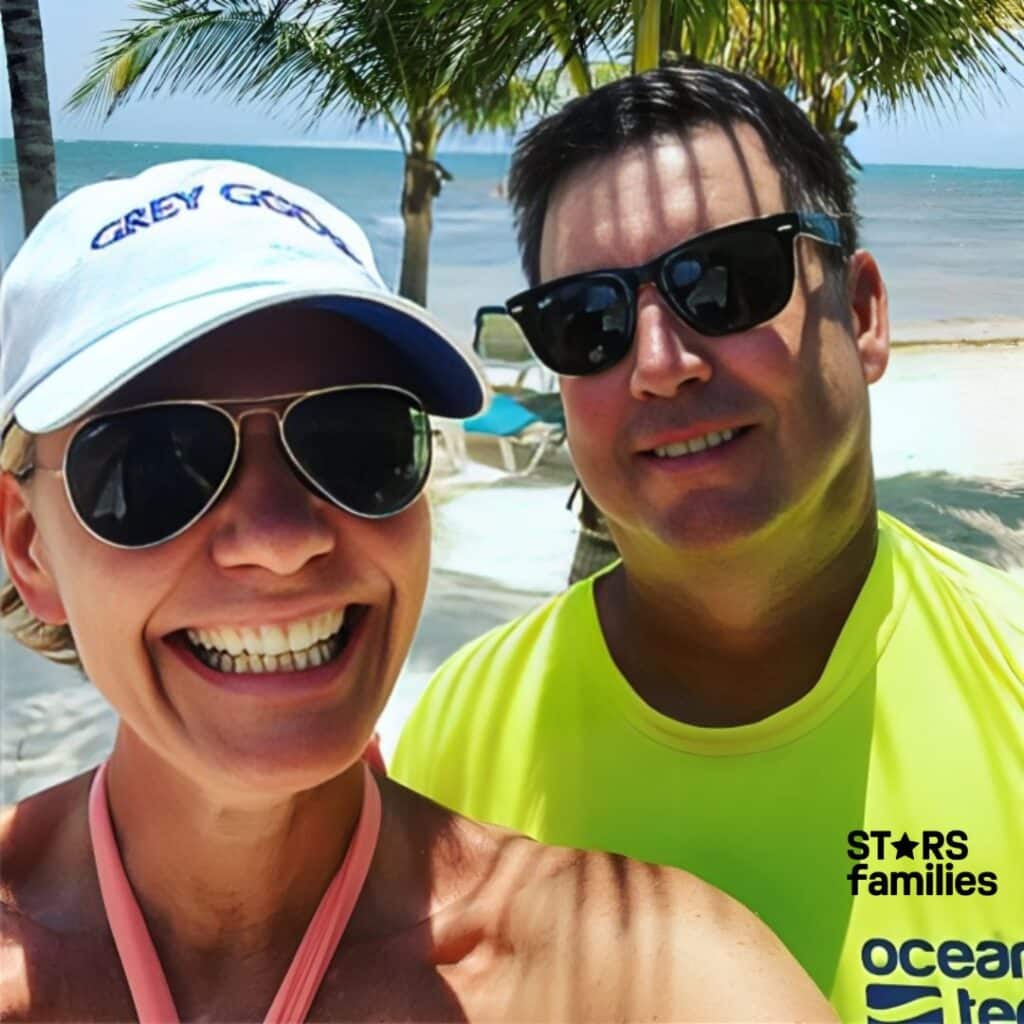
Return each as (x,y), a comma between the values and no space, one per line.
(450,384)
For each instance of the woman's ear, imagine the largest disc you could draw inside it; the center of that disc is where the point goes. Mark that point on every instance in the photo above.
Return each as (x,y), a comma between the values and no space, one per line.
(25,554)
(869,308)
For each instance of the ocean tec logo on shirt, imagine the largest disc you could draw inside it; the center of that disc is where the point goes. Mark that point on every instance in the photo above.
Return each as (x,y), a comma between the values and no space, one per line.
(915,970)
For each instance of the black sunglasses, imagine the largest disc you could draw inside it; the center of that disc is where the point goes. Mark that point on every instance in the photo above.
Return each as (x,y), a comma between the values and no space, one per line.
(722,282)
(140,476)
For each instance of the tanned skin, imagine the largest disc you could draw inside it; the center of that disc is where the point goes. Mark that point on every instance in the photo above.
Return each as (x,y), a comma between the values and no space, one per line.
(740,564)
(458,921)
(233,811)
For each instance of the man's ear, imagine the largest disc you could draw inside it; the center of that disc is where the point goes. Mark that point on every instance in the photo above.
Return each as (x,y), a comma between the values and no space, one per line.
(25,555)
(869,310)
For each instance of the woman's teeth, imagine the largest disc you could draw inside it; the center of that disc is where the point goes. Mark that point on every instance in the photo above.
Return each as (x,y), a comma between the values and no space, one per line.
(290,647)
(695,444)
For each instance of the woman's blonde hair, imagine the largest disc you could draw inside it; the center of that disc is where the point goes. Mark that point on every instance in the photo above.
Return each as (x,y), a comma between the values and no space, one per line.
(55,642)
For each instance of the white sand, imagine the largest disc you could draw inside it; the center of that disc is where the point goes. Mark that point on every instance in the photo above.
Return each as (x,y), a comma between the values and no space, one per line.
(949,450)
(953,409)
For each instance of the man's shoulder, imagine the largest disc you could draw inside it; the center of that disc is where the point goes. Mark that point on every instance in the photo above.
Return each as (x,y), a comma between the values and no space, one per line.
(465,741)
(510,664)
(549,624)
(980,590)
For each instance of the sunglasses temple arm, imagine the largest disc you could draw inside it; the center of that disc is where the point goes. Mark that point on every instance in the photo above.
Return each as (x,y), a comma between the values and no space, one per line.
(822,226)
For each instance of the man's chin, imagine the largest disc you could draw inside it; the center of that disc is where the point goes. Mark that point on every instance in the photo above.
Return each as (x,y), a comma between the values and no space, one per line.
(702,525)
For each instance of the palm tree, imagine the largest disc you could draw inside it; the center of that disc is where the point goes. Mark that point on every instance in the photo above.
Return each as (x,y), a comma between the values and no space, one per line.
(834,57)
(397,61)
(831,56)
(30,108)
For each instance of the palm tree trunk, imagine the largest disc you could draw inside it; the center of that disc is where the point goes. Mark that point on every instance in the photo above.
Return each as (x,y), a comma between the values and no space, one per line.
(30,108)
(417,202)
(420,186)
(646,31)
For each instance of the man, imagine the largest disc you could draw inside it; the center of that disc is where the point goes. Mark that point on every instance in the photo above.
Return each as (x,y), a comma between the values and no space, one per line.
(215,449)
(780,689)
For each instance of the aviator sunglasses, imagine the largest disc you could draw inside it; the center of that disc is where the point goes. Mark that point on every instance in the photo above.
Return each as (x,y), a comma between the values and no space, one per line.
(140,476)
(721,282)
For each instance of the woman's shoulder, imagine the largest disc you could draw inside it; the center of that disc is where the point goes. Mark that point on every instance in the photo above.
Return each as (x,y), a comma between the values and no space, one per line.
(44,851)
(50,946)
(40,828)
(597,935)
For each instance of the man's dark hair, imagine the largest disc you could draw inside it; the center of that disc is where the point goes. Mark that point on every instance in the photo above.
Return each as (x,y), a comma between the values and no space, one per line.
(674,101)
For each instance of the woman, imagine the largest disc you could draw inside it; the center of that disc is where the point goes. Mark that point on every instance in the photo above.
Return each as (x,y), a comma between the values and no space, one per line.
(215,447)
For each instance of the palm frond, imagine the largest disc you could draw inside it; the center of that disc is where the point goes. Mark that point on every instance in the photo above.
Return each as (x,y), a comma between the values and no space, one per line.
(176,44)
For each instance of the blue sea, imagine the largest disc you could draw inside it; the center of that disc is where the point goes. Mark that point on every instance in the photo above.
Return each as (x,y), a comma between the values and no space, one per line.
(950,240)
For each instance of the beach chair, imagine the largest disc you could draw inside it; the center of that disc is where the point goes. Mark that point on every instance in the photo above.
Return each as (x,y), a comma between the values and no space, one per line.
(515,426)
(500,345)
(450,443)
(519,418)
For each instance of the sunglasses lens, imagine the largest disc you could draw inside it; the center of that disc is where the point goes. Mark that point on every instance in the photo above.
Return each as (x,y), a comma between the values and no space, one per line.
(367,449)
(578,327)
(733,282)
(137,478)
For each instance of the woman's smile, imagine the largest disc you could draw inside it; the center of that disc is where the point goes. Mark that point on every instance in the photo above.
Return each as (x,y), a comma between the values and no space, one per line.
(276,647)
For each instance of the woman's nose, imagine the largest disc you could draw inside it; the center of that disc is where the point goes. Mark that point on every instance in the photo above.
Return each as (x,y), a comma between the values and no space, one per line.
(269,518)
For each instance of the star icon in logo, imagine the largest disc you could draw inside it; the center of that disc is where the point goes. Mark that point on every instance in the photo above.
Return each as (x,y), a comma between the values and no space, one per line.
(904,847)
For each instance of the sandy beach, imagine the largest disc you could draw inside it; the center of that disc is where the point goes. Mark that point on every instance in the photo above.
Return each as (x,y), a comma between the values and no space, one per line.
(997,330)
(949,454)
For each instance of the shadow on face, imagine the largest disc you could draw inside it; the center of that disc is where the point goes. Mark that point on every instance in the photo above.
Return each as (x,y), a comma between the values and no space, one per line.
(271,550)
(791,390)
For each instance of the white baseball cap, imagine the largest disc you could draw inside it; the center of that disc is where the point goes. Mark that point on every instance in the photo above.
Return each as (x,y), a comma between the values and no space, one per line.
(122,273)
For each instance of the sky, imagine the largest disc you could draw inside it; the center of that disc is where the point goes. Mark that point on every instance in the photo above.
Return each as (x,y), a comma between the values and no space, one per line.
(992,136)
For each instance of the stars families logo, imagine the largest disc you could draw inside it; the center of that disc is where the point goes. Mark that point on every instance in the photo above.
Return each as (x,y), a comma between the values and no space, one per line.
(922,981)
(933,871)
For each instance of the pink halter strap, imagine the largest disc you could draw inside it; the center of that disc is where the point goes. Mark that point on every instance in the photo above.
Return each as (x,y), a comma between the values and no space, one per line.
(146,980)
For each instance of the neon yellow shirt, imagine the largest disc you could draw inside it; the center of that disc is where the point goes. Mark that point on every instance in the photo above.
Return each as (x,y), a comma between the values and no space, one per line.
(915,730)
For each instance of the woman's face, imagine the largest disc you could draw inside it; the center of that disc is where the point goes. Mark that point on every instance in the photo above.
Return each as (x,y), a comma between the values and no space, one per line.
(270,555)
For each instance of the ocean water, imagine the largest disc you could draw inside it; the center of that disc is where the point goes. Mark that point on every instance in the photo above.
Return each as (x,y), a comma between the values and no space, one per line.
(472,226)
(950,241)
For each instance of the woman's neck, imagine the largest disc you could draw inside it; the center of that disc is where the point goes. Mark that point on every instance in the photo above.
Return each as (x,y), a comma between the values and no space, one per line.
(218,879)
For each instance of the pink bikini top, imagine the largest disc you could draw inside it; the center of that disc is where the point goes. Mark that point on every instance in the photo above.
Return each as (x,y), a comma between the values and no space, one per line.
(146,980)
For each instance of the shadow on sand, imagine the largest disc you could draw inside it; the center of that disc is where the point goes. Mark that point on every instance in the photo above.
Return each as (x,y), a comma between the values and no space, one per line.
(979,518)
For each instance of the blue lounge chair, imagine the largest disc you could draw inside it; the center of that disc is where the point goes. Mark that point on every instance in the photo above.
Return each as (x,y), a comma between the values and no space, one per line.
(512,423)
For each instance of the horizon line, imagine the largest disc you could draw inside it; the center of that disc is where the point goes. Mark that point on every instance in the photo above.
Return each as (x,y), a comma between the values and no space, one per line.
(459,150)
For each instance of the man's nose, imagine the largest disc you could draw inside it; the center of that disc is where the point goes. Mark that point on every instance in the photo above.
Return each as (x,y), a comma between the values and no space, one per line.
(269,519)
(666,352)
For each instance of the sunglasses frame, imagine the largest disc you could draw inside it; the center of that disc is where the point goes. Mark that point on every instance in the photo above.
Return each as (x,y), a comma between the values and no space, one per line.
(222,407)
(822,227)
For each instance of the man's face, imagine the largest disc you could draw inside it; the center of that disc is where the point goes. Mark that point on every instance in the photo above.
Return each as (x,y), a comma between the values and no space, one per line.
(791,390)
(269,554)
